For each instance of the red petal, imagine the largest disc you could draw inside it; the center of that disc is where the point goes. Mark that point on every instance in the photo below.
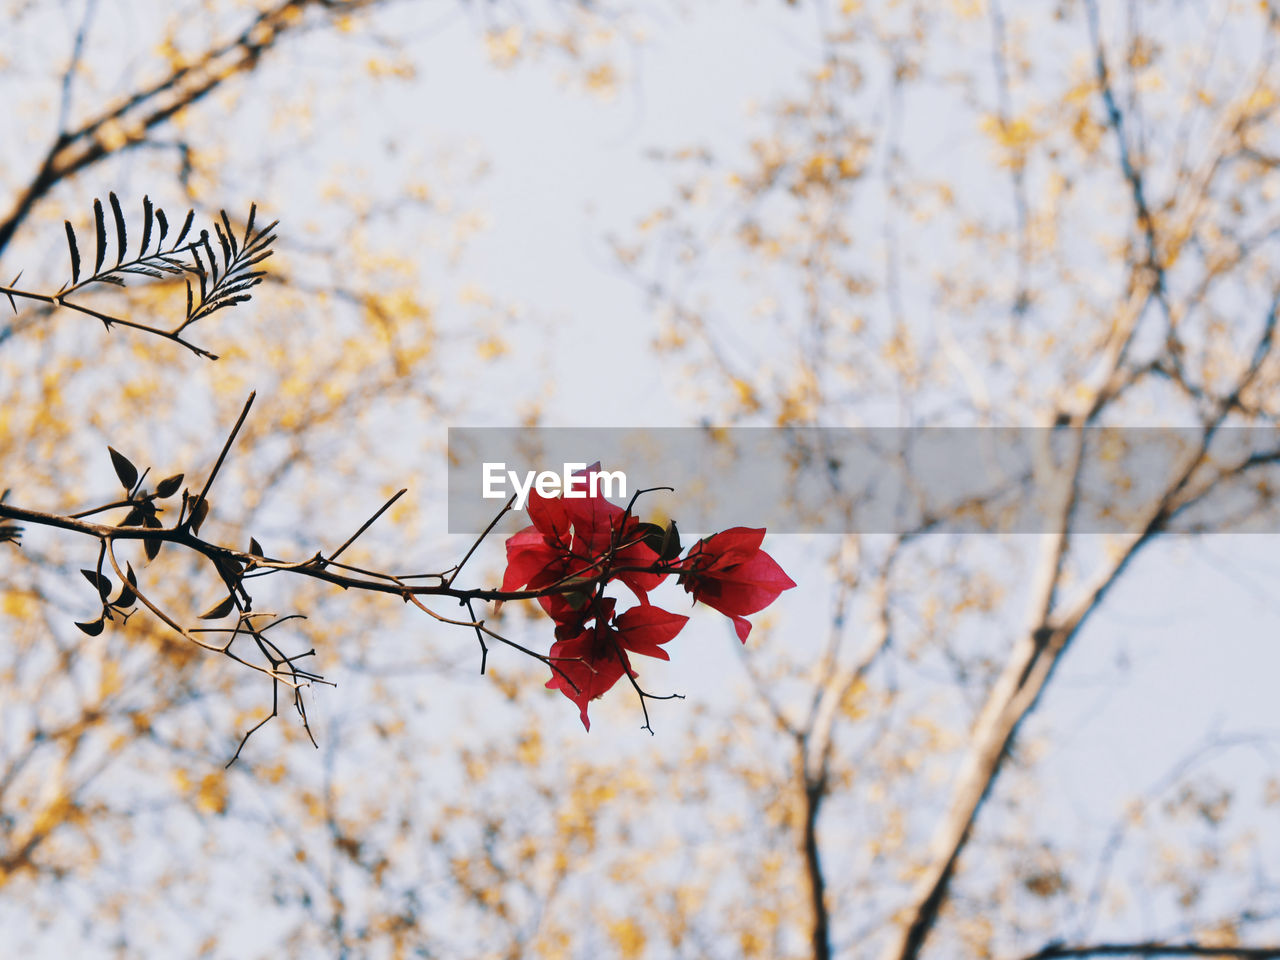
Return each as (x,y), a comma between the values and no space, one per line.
(746,588)
(596,670)
(642,629)
(549,517)
(764,571)
(733,546)
(639,555)
(734,598)
(739,589)
(528,553)
(594,518)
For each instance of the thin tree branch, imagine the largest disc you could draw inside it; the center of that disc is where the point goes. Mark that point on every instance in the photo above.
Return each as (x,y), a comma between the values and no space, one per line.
(368,523)
(1056,951)
(150,107)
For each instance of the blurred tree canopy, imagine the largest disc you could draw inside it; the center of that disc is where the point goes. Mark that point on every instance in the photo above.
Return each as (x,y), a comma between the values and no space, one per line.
(1060,215)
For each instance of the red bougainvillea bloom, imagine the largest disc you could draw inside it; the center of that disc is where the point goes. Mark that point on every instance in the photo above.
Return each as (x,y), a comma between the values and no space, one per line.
(576,545)
(596,658)
(571,537)
(730,573)
(541,555)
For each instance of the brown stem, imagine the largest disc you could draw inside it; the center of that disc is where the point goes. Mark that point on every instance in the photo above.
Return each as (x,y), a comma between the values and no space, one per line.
(1154,949)
(74,150)
(814,792)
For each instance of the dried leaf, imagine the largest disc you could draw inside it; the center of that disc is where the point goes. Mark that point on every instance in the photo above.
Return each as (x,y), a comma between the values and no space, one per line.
(219,610)
(100,581)
(100,222)
(75,253)
(126,599)
(226,222)
(92,628)
(122,240)
(146,225)
(186,228)
(224,243)
(198,513)
(229,567)
(125,469)
(169,485)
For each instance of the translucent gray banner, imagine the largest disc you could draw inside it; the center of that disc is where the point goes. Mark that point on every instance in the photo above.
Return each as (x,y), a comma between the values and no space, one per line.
(885,480)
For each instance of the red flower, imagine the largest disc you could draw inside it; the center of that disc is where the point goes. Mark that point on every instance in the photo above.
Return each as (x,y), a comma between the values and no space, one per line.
(542,554)
(577,545)
(572,537)
(730,573)
(596,659)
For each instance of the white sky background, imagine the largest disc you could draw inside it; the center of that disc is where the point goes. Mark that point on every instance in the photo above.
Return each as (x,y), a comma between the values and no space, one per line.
(1181,653)
(1195,620)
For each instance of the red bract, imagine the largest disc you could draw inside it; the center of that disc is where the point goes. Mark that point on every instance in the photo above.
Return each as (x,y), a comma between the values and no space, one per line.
(730,573)
(596,659)
(542,554)
(572,537)
(577,545)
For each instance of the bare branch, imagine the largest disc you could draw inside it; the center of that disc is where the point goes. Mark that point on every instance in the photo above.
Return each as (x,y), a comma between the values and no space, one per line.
(1055,951)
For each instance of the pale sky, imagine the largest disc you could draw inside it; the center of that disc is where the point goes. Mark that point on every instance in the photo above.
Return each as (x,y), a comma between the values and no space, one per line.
(1193,623)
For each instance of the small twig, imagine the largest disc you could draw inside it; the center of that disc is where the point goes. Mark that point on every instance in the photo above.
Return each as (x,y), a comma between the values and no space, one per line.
(1058,950)
(484,647)
(108,506)
(636,496)
(77,54)
(635,684)
(368,523)
(479,626)
(487,530)
(222,456)
(275,712)
(106,318)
